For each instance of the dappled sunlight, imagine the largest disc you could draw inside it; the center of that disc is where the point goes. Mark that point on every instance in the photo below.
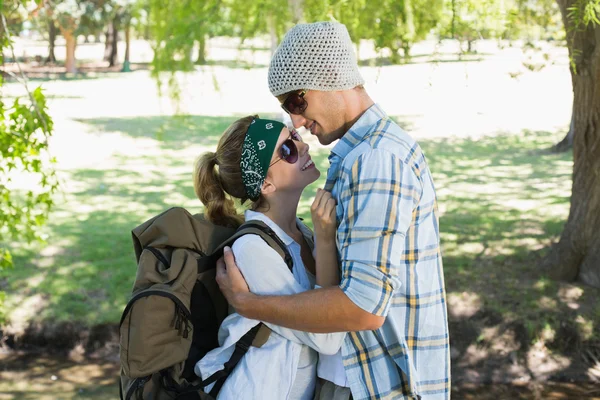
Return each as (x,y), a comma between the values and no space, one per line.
(23,309)
(570,294)
(586,327)
(463,305)
(594,372)
(503,199)
(547,303)
(545,363)
(38,377)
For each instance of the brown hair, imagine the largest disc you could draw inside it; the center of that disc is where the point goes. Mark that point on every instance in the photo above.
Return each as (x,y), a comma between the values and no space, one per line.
(218,177)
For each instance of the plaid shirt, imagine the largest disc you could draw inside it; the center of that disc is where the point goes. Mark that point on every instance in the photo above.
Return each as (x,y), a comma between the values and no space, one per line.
(388,240)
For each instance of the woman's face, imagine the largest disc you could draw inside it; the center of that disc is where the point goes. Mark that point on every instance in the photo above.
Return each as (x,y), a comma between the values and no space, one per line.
(286,175)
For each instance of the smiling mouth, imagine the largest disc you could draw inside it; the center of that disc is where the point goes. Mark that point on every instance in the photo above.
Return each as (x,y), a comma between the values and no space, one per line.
(308,164)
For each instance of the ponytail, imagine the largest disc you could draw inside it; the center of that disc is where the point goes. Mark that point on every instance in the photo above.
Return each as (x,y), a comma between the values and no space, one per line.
(220,208)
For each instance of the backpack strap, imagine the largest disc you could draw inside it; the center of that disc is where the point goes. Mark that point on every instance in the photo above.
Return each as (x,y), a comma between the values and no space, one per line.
(265,232)
(241,347)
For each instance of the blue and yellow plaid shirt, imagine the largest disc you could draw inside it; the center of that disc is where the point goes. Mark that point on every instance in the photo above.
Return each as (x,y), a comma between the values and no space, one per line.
(389,245)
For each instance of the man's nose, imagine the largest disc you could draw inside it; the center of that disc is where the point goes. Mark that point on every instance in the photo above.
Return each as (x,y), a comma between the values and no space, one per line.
(298,120)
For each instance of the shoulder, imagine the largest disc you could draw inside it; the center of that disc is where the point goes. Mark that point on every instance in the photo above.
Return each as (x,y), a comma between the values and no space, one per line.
(249,242)
(251,250)
(386,146)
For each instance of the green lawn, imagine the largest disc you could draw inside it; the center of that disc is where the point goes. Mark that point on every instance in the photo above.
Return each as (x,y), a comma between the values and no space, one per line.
(503,200)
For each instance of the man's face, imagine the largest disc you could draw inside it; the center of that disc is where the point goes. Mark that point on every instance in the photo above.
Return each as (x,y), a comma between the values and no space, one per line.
(324,115)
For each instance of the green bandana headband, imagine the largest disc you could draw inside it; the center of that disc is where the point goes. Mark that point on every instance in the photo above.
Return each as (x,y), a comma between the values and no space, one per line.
(257,152)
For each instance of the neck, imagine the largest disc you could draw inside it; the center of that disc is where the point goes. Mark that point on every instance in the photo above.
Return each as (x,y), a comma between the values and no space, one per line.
(357,103)
(282,210)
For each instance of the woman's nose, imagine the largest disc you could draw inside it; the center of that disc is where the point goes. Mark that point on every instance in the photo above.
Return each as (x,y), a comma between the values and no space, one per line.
(304,147)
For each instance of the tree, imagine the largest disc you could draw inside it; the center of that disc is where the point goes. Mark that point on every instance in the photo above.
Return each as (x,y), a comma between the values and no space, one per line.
(398,25)
(176,26)
(25,128)
(470,20)
(272,17)
(392,24)
(52,32)
(67,16)
(577,253)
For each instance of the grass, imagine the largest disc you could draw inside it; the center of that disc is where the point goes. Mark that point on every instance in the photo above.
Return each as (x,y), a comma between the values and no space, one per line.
(503,200)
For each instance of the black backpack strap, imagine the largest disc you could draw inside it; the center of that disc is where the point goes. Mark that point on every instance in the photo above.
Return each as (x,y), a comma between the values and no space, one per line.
(266,233)
(241,348)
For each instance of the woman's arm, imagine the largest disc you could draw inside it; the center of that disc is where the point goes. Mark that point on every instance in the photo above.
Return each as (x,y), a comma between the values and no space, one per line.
(267,274)
(324,223)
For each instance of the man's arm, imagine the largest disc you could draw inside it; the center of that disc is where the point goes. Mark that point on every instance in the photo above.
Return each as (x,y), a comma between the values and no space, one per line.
(320,311)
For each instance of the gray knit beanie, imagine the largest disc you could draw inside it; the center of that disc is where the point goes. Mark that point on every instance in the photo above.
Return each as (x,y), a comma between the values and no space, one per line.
(315,56)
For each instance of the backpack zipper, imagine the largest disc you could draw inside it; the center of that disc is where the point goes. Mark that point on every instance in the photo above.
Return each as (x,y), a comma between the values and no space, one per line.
(159,256)
(181,311)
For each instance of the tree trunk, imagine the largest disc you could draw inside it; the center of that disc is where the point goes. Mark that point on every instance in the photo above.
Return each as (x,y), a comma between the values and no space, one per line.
(273,34)
(297,10)
(112,57)
(147,24)
(108,42)
(127,41)
(71,45)
(127,29)
(51,40)
(567,143)
(453,19)
(577,254)
(201,60)
(395,55)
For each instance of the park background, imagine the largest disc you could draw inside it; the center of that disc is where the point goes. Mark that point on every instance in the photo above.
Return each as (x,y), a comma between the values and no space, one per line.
(133,91)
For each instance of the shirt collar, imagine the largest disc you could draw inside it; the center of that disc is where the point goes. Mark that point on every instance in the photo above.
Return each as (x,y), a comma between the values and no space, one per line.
(285,238)
(359,130)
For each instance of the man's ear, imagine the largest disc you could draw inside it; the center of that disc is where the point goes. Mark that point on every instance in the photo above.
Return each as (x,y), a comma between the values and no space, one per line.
(268,187)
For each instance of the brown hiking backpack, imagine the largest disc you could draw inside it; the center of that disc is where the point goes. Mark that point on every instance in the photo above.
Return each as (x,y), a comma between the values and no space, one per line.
(176,308)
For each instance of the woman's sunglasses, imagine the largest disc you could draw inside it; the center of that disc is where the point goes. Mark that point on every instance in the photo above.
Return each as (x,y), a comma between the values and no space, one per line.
(295,103)
(288,150)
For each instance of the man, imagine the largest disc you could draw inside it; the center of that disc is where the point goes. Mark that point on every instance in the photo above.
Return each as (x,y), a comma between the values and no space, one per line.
(391,297)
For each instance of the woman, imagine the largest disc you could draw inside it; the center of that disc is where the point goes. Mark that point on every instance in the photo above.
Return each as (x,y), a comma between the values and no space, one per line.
(261,161)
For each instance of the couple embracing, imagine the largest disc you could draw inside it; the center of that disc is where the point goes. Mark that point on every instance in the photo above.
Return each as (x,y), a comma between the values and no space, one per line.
(362,314)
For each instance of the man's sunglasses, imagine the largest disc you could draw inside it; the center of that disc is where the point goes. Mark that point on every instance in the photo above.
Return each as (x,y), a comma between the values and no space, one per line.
(288,150)
(295,103)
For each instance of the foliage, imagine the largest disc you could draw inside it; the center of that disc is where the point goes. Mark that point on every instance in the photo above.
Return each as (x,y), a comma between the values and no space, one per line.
(470,20)
(584,13)
(176,26)
(401,24)
(530,19)
(25,127)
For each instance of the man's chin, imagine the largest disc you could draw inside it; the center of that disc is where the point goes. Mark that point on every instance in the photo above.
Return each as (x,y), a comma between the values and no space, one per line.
(326,139)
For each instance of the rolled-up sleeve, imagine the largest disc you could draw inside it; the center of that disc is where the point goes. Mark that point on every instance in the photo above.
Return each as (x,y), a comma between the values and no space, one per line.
(375,197)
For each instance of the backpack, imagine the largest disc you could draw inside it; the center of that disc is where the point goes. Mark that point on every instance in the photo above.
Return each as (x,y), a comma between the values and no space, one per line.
(176,307)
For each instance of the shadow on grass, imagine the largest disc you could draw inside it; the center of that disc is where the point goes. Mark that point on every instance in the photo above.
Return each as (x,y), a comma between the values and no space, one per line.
(502,200)
(235,64)
(174,132)
(423,59)
(71,380)
(85,71)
